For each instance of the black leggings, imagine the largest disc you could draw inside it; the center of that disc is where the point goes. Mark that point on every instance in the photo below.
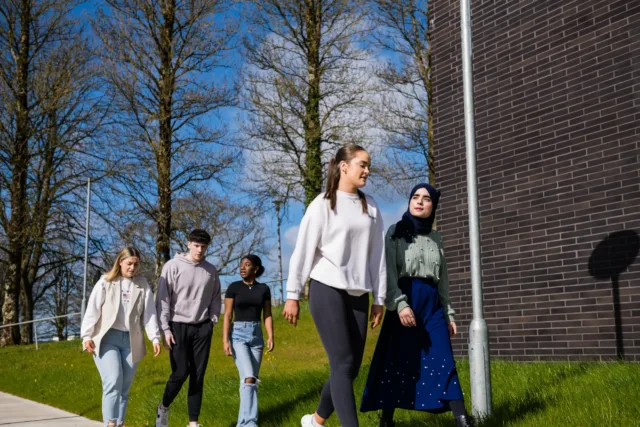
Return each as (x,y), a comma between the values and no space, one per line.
(341,320)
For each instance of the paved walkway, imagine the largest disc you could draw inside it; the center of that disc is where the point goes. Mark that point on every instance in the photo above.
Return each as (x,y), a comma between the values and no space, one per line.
(19,412)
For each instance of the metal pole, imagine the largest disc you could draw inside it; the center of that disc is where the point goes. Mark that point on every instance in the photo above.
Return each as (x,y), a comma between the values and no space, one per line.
(478,335)
(86,252)
(278,202)
(35,332)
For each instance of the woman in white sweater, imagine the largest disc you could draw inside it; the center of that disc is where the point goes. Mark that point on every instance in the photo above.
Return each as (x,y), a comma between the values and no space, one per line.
(340,246)
(120,304)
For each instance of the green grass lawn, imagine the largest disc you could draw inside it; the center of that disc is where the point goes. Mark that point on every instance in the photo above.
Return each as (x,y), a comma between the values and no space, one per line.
(524,394)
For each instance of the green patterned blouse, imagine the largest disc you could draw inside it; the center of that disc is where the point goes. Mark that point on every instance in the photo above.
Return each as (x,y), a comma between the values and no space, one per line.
(423,258)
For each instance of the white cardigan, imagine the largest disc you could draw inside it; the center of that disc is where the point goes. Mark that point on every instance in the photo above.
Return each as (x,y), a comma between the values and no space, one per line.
(102,311)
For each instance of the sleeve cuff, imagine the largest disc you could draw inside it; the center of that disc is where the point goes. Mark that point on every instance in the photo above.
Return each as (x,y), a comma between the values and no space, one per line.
(293,295)
(214,320)
(379,301)
(398,303)
(450,313)
(156,341)
(402,305)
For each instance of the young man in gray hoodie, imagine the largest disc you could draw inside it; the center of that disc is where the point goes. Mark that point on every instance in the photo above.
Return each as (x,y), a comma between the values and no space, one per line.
(188,305)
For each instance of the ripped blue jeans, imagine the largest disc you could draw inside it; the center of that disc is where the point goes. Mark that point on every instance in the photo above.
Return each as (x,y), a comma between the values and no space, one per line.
(247,343)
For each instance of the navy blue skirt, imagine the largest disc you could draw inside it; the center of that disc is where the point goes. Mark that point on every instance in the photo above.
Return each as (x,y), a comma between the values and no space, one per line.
(413,367)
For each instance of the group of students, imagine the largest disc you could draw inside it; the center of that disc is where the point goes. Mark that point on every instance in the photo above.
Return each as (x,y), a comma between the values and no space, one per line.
(343,250)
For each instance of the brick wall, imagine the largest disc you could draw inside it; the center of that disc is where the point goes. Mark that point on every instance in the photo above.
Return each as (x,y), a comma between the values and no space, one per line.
(557,107)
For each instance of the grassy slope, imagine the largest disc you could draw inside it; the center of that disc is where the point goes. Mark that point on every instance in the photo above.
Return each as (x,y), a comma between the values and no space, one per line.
(538,394)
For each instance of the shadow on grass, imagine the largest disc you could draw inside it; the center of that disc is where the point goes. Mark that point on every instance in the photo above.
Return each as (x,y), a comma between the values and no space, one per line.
(413,423)
(279,414)
(517,408)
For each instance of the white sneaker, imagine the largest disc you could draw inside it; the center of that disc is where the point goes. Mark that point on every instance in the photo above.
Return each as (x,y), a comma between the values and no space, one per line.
(162,416)
(309,421)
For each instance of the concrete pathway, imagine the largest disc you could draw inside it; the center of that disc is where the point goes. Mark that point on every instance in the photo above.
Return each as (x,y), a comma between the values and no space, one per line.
(18,412)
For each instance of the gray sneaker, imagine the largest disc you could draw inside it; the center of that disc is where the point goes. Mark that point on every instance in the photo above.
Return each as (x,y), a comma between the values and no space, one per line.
(162,416)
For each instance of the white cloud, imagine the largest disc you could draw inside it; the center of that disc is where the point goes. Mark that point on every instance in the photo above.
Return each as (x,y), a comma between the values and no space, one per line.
(291,235)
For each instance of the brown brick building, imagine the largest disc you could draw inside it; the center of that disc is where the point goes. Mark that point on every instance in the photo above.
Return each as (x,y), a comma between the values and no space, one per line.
(557,107)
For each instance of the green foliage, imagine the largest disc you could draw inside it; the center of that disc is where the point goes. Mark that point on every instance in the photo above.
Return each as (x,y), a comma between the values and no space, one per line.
(524,394)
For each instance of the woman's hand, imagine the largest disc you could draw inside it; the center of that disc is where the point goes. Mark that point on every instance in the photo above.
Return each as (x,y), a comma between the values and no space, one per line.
(291,311)
(90,346)
(227,348)
(270,345)
(452,329)
(406,317)
(376,315)
(156,349)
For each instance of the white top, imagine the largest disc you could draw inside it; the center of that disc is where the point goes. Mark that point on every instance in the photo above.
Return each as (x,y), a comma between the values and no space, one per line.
(343,249)
(122,320)
(94,311)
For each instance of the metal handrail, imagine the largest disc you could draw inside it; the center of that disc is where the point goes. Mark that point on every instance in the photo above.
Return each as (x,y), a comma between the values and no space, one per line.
(35,329)
(38,320)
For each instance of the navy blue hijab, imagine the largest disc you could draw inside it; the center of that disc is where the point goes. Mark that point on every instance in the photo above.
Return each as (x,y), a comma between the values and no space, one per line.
(410,226)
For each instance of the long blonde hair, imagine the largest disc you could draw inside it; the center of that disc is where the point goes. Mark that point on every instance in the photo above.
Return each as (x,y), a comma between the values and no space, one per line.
(116,271)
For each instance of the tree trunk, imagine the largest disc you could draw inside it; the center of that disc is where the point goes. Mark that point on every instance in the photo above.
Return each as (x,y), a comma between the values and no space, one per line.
(313,139)
(18,186)
(166,83)
(60,326)
(26,314)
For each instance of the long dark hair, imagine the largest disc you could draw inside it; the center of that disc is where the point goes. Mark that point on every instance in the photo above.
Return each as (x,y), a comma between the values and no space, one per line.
(256,261)
(345,154)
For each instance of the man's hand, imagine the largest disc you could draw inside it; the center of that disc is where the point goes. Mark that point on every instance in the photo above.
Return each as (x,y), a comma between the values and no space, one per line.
(156,350)
(90,346)
(270,345)
(291,311)
(168,340)
(376,315)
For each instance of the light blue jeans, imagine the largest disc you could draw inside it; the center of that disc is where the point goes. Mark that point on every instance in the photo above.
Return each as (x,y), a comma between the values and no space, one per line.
(117,371)
(247,343)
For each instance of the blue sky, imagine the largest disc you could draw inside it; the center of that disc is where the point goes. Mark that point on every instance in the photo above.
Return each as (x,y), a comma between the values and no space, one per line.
(392,205)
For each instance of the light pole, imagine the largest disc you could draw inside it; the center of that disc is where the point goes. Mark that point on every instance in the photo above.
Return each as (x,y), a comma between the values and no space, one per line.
(86,252)
(478,334)
(278,204)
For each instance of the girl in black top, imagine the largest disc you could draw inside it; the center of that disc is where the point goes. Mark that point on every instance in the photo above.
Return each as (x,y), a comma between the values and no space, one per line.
(245,301)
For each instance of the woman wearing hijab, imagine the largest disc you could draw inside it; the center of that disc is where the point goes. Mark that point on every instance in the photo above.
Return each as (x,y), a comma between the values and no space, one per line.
(413,365)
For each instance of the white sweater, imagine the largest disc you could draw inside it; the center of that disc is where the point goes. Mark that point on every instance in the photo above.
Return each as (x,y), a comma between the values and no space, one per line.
(343,249)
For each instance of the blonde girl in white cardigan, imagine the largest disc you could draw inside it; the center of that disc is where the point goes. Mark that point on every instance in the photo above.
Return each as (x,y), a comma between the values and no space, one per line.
(120,304)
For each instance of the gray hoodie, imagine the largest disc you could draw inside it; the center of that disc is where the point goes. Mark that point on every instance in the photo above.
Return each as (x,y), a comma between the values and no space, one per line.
(188,292)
